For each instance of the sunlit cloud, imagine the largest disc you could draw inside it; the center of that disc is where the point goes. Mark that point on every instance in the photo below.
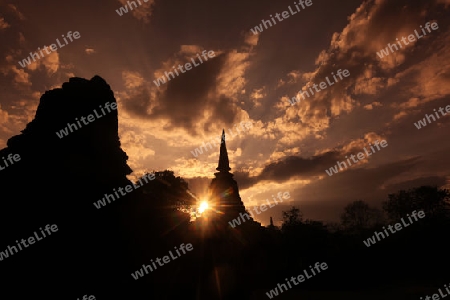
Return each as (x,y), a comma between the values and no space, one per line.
(3,23)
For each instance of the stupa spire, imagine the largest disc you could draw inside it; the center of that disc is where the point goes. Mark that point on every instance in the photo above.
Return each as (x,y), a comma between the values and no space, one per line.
(224,164)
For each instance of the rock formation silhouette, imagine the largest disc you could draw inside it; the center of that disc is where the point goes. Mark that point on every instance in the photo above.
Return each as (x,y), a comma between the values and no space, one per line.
(56,182)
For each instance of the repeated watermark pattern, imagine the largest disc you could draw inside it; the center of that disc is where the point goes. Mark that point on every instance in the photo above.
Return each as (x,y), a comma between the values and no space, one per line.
(263,207)
(423,122)
(285,14)
(437,296)
(124,9)
(31,240)
(85,297)
(166,259)
(188,67)
(11,159)
(323,85)
(33,56)
(411,38)
(360,156)
(91,118)
(274,292)
(398,227)
(128,189)
(309,91)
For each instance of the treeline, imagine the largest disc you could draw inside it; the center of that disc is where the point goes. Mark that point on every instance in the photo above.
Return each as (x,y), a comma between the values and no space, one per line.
(413,256)
(251,260)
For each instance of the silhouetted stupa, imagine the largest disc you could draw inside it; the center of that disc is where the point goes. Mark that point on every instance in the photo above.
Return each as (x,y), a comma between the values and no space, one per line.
(223,190)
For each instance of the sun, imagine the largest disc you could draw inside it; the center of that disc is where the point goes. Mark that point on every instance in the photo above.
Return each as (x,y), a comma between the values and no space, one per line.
(203,206)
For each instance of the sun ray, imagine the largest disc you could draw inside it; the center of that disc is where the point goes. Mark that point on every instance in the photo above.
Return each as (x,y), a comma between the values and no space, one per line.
(203,206)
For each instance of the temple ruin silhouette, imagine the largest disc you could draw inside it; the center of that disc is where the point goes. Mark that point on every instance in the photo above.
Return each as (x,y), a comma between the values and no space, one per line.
(225,203)
(223,189)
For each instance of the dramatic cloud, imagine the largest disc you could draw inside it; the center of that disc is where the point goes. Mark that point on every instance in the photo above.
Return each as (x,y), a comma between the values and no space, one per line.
(253,77)
(208,93)
(3,24)
(16,12)
(143,11)
(90,51)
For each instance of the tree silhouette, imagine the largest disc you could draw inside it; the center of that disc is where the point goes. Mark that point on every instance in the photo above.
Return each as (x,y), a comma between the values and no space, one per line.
(292,218)
(358,215)
(170,191)
(434,201)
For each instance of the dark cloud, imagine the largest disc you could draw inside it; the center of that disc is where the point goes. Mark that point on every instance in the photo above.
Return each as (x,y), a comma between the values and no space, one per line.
(438,181)
(186,98)
(326,198)
(139,103)
(328,36)
(290,167)
(352,184)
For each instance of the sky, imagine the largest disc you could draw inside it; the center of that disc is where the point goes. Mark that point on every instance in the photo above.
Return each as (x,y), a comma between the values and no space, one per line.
(251,78)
